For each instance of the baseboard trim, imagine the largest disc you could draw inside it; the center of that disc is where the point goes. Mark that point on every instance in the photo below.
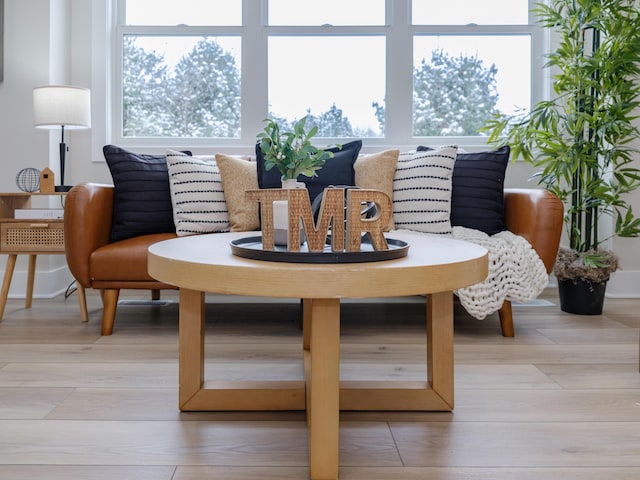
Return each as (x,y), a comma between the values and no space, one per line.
(624,284)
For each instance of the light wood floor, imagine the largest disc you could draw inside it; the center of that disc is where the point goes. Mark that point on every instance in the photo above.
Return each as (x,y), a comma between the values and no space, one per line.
(561,400)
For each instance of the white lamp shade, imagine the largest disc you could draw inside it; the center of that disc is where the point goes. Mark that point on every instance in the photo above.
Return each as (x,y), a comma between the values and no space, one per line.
(56,105)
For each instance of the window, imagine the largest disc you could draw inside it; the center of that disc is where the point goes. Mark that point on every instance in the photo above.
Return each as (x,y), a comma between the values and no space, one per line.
(326,12)
(392,72)
(346,84)
(465,12)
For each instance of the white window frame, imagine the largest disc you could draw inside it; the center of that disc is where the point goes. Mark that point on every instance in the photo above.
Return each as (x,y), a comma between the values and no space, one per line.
(254,34)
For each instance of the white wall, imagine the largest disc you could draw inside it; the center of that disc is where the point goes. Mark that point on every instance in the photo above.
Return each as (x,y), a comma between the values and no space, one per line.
(62,41)
(30,60)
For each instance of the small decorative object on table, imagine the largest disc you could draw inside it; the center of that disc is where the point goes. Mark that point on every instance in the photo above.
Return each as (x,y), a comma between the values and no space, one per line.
(347,227)
(292,153)
(28,179)
(47,181)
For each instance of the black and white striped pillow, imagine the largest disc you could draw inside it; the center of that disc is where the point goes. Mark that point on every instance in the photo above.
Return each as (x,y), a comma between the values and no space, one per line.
(422,190)
(197,196)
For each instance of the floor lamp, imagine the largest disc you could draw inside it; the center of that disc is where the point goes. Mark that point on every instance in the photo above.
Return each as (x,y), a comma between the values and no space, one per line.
(65,107)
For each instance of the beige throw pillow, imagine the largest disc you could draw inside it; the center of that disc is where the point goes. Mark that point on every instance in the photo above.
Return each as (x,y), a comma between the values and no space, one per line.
(376,171)
(238,176)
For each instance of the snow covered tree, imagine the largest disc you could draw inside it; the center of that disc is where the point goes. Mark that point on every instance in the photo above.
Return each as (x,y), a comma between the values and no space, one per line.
(145,79)
(199,98)
(453,95)
(205,100)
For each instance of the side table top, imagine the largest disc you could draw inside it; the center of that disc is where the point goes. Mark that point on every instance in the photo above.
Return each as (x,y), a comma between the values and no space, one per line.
(206,263)
(31,194)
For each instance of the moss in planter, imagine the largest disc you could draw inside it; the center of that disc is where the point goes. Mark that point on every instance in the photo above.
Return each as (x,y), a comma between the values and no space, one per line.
(570,265)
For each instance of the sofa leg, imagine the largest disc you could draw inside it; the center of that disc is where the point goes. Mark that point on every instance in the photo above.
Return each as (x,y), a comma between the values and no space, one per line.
(110,302)
(155,294)
(506,319)
(82,301)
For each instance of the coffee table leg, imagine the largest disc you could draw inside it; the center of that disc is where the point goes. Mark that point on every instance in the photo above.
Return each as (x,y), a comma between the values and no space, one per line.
(440,344)
(191,345)
(323,405)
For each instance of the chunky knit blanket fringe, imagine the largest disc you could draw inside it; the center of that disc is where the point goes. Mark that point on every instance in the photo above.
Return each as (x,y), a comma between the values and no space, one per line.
(516,272)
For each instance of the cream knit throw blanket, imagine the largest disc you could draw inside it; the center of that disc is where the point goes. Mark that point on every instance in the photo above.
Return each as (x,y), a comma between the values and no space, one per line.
(516,272)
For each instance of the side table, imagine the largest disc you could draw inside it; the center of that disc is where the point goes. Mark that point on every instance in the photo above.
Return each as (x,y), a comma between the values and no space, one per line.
(29,237)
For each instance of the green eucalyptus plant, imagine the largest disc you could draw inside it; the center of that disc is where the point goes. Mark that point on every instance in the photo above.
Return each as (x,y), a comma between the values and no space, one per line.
(291,152)
(582,137)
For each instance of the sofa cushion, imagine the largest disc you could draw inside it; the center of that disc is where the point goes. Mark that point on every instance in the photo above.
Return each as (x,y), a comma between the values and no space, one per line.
(477,199)
(376,171)
(142,201)
(196,194)
(125,260)
(239,175)
(422,190)
(335,171)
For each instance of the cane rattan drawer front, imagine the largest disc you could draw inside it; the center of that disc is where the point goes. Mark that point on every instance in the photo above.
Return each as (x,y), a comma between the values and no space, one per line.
(32,236)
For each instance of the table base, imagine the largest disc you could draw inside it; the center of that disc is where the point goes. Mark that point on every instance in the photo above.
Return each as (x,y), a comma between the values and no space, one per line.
(321,394)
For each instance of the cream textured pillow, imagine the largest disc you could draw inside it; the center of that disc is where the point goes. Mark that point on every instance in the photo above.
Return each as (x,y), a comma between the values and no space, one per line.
(238,176)
(376,171)
(196,195)
(422,190)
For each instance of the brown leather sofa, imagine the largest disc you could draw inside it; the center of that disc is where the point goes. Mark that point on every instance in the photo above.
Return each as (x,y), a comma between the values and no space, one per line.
(535,214)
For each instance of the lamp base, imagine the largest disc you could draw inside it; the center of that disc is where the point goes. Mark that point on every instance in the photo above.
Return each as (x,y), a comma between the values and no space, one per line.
(63,188)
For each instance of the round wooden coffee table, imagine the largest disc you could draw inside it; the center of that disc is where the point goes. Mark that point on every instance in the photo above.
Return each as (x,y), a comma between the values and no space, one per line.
(434,266)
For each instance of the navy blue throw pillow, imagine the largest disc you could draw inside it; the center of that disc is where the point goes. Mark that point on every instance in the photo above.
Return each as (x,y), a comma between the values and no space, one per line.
(142,199)
(336,171)
(477,190)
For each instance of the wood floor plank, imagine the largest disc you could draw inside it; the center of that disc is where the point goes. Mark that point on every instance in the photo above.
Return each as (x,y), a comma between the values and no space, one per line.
(583,336)
(87,442)
(118,404)
(84,354)
(91,472)
(244,473)
(517,444)
(502,377)
(539,405)
(30,402)
(59,375)
(500,473)
(548,354)
(601,376)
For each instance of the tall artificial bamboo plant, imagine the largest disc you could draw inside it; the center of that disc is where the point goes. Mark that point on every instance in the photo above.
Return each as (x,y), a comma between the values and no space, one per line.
(582,138)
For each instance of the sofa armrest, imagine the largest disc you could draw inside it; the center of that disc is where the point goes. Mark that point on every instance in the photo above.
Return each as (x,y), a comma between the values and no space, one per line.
(88,215)
(537,215)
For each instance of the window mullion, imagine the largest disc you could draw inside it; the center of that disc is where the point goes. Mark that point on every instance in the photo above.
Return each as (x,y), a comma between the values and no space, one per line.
(254,71)
(399,81)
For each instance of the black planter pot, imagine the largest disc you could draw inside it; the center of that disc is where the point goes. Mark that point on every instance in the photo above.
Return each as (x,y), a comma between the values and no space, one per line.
(582,297)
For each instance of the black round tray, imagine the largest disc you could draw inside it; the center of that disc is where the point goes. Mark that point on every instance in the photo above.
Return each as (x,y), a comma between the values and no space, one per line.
(251,247)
